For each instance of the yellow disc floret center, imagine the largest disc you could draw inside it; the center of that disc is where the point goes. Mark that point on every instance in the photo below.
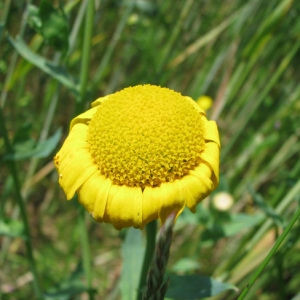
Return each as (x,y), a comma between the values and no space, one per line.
(146,135)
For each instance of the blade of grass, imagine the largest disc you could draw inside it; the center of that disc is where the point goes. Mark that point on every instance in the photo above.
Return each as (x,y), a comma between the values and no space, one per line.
(207,38)
(113,42)
(86,52)
(174,34)
(270,255)
(245,118)
(254,237)
(4,14)
(85,67)
(21,204)
(15,55)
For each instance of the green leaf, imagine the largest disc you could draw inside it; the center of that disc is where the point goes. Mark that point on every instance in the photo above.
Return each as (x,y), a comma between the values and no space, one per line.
(45,65)
(11,228)
(133,253)
(34,19)
(231,225)
(267,209)
(185,264)
(43,149)
(190,287)
(51,23)
(22,134)
(240,222)
(202,216)
(54,28)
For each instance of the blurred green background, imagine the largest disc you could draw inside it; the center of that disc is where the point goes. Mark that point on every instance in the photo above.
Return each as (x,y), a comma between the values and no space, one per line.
(56,57)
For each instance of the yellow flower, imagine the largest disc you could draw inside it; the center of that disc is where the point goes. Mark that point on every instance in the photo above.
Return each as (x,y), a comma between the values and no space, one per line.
(138,155)
(204,102)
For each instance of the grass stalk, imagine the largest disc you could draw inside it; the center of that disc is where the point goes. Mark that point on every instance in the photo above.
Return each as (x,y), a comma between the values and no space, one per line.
(270,255)
(253,239)
(112,44)
(86,253)
(271,82)
(84,75)
(21,204)
(86,51)
(15,55)
(175,32)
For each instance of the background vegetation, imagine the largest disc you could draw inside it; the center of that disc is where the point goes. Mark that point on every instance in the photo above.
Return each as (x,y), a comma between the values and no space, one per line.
(58,56)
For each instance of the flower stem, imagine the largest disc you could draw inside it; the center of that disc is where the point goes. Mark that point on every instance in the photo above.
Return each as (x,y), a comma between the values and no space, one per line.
(269,256)
(156,286)
(150,246)
(21,204)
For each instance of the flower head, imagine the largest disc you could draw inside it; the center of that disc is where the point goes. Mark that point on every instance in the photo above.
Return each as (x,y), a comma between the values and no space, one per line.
(138,155)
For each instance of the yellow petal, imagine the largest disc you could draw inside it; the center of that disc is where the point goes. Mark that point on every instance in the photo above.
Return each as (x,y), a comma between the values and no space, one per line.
(198,185)
(204,173)
(196,106)
(172,200)
(73,161)
(75,140)
(98,101)
(93,195)
(84,117)
(124,207)
(151,203)
(104,187)
(212,133)
(192,190)
(211,156)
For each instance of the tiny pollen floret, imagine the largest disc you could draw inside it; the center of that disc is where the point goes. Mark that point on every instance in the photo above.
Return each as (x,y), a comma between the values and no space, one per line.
(138,155)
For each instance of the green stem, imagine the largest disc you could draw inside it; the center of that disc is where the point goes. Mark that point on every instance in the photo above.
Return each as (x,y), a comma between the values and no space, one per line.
(86,255)
(86,53)
(85,67)
(270,255)
(150,247)
(112,44)
(20,201)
